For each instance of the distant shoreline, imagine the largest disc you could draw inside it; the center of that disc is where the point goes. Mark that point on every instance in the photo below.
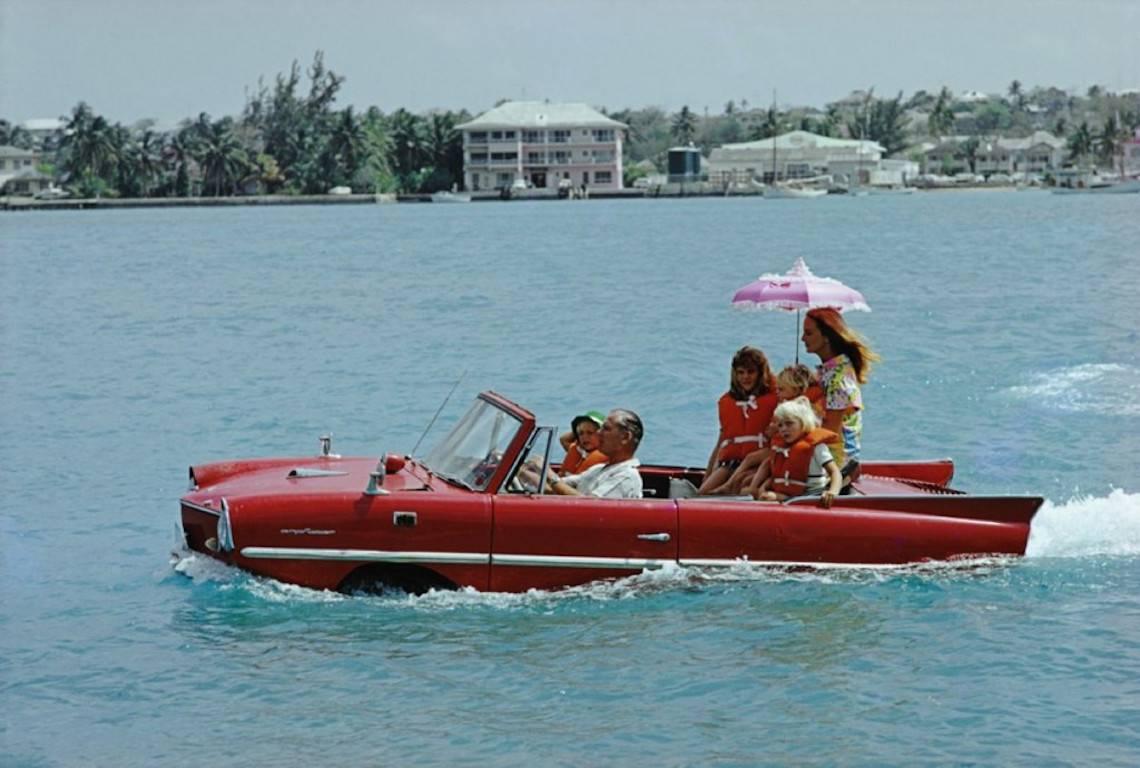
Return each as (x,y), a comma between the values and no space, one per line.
(670,191)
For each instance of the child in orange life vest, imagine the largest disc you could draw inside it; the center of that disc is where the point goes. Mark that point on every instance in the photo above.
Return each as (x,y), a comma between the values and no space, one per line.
(800,462)
(791,382)
(581,443)
(744,412)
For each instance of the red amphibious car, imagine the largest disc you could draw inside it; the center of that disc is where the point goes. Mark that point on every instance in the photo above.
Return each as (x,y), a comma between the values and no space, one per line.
(459,517)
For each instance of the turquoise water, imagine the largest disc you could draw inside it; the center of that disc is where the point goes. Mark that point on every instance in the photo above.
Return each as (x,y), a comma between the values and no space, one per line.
(137,342)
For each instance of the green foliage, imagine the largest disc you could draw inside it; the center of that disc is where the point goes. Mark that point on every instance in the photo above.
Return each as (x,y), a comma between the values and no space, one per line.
(220,154)
(649,136)
(631,173)
(992,117)
(1109,142)
(684,126)
(881,121)
(90,185)
(1080,143)
(941,121)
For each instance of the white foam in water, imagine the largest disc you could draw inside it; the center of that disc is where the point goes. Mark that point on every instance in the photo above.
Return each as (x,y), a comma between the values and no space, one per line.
(1109,388)
(1082,527)
(198,567)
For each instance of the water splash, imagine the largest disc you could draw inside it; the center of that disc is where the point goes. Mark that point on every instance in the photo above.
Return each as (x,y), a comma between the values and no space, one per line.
(1087,526)
(1106,388)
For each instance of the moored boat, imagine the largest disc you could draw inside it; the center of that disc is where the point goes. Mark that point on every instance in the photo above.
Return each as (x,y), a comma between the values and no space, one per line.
(1122,187)
(461,516)
(789,191)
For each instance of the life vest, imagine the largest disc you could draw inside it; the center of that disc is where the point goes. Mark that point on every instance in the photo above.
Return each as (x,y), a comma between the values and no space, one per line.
(816,396)
(575,463)
(743,424)
(790,463)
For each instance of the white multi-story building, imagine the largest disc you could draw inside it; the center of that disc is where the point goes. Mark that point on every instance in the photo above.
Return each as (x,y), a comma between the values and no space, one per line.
(795,155)
(543,145)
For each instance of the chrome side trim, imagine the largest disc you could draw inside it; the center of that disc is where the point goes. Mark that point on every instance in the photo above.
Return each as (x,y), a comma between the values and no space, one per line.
(452,558)
(736,562)
(368,555)
(537,561)
(200,508)
(560,561)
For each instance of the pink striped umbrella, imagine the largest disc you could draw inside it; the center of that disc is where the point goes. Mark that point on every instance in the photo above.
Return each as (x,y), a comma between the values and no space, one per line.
(798,289)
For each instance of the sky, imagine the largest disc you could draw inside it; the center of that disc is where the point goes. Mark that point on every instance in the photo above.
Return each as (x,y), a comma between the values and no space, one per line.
(172,59)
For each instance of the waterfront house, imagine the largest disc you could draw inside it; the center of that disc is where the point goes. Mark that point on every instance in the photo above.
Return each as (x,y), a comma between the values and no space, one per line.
(797,155)
(543,145)
(26,183)
(16,162)
(1033,155)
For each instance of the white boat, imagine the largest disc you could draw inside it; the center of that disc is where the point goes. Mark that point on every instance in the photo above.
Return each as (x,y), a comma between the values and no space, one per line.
(792,189)
(1120,187)
(450,197)
(786,191)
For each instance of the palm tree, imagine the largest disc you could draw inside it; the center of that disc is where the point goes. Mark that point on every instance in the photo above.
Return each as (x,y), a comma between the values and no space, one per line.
(176,157)
(444,145)
(406,133)
(146,155)
(1081,142)
(1016,96)
(89,149)
(347,145)
(941,120)
(217,149)
(1109,142)
(684,125)
(770,126)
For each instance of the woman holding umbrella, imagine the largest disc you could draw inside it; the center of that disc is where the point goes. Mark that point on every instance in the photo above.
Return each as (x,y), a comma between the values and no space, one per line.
(846,363)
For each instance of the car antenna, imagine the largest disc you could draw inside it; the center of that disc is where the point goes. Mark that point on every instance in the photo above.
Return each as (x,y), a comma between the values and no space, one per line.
(438,411)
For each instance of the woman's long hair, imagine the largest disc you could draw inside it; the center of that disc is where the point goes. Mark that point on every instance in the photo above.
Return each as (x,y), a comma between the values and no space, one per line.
(751,357)
(844,340)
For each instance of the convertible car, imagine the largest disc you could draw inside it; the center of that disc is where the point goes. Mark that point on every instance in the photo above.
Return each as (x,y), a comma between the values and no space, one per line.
(461,516)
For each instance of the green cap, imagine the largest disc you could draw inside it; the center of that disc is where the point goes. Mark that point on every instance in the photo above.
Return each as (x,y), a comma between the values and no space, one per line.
(594,416)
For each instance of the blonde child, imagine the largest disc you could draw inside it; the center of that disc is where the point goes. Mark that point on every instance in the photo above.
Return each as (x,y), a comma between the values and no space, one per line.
(800,462)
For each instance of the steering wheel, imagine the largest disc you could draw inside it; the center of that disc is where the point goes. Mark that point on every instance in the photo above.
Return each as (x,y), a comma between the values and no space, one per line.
(483,471)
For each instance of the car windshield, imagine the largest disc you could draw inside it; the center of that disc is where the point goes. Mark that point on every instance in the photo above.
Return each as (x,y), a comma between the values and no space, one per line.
(471,452)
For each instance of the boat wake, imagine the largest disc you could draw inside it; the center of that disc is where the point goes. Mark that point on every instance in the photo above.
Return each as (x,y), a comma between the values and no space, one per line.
(1088,526)
(1105,388)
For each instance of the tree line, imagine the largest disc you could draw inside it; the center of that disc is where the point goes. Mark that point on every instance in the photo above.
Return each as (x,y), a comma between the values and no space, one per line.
(1095,126)
(290,138)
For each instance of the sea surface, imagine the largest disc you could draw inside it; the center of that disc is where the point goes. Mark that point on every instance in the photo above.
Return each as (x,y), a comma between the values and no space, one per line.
(136,342)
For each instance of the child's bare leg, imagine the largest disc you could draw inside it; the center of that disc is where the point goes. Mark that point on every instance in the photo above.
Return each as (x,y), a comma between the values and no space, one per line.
(713,481)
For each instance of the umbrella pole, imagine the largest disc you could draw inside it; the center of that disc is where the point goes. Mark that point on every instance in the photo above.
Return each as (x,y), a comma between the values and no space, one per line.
(797,341)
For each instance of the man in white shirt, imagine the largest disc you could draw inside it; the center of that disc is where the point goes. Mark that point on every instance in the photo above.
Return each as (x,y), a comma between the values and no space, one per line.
(618,478)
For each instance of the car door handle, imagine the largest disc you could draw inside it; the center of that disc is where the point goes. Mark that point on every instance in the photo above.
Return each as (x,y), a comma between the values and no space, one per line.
(654,536)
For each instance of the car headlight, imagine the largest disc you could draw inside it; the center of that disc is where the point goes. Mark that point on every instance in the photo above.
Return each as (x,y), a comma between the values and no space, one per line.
(225,532)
